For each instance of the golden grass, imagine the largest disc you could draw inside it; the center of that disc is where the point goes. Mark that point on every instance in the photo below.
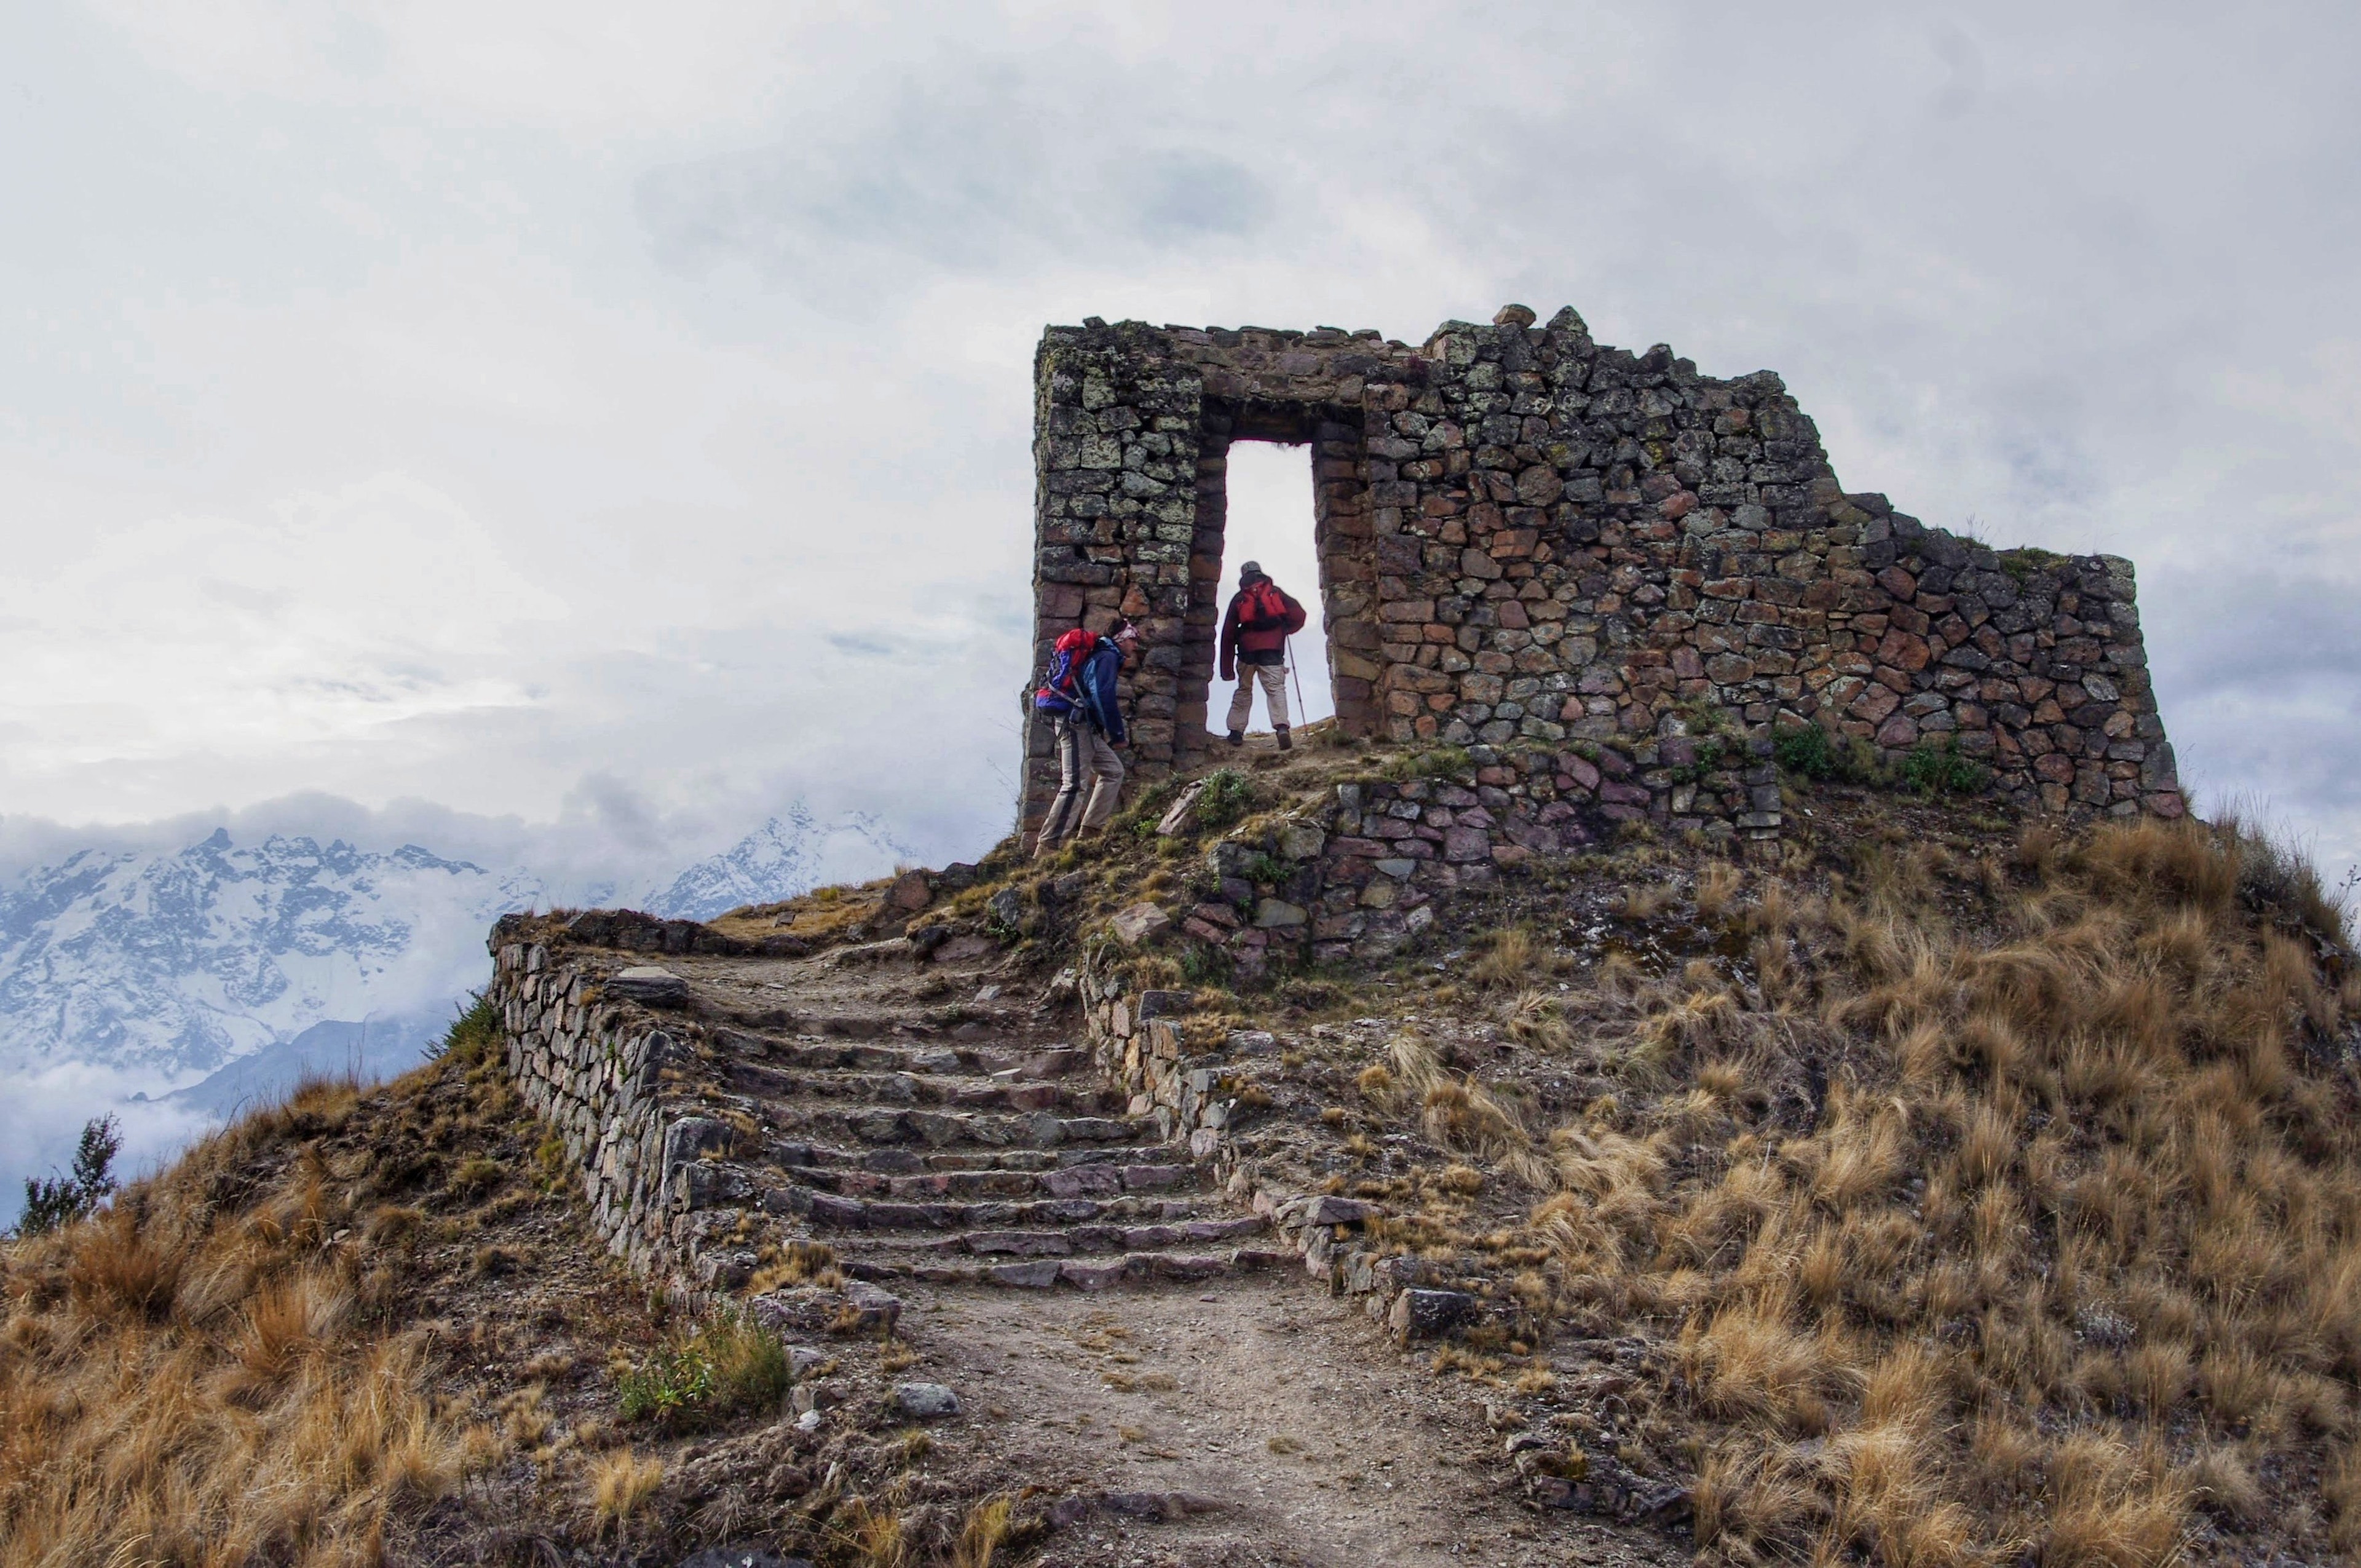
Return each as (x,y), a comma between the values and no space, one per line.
(980,1534)
(621,1482)
(1511,958)
(2078,1159)
(1717,886)
(871,1534)
(183,1381)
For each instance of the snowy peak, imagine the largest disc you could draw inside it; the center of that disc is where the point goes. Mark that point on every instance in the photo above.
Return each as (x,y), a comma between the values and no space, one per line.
(164,965)
(786,856)
(177,961)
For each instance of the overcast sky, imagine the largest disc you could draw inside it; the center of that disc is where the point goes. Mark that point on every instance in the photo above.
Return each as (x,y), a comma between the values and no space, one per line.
(612,421)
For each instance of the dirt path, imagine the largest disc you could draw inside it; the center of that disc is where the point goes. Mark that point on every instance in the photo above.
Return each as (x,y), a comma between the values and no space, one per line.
(1307,1438)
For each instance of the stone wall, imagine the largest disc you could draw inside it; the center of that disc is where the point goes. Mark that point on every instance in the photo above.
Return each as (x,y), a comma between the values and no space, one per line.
(1359,875)
(590,1060)
(1530,541)
(1190,1091)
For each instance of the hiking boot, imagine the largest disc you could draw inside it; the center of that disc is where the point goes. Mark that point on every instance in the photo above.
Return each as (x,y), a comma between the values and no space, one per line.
(1237,737)
(1284,743)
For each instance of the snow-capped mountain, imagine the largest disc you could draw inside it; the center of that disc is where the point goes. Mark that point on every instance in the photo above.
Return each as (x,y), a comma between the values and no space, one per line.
(786,856)
(169,964)
(171,988)
(172,964)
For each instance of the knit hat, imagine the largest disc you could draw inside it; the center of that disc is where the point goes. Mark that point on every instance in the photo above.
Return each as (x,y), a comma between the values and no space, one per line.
(1249,570)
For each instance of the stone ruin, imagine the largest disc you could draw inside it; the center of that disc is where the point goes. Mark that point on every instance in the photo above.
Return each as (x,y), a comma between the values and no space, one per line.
(1612,579)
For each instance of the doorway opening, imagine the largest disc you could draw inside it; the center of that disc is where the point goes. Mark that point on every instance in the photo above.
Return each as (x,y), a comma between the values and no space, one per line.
(1269,521)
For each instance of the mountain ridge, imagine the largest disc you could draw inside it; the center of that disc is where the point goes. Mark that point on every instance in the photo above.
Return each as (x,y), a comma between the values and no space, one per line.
(175,986)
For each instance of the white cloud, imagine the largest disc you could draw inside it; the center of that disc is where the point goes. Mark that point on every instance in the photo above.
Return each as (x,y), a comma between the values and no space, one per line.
(428,403)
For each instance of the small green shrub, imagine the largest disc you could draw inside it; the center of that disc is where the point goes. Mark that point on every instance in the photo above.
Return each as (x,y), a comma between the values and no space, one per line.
(1711,752)
(1811,752)
(1226,797)
(1204,964)
(727,1366)
(673,1380)
(53,1202)
(1941,769)
(751,1371)
(1706,719)
(1434,762)
(2027,560)
(1805,752)
(477,1175)
(1139,818)
(474,1036)
(549,1163)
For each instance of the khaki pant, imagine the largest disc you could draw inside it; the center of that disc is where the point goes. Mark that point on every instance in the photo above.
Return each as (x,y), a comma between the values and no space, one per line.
(1083,755)
(1274,694)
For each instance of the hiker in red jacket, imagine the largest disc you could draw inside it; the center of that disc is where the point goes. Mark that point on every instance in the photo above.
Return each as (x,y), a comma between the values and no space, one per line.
(1255,633)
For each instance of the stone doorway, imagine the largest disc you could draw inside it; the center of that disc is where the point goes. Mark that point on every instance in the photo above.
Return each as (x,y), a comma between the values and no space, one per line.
(1329,441)
(1135,428)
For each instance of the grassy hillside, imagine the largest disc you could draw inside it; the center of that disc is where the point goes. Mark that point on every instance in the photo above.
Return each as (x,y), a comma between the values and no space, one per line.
(1948,1190)
(1978,1192)
(1990,1204)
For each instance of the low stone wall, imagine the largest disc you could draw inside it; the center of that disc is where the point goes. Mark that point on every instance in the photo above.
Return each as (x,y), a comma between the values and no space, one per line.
(1359,876)
(1139,1040)
(590,1067)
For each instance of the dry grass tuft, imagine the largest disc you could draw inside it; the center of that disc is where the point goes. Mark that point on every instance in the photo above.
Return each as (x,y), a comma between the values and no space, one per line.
(981,1535)
(1642,903)
(621,1484)
(1511,959)
(871,1534)
(1716,887)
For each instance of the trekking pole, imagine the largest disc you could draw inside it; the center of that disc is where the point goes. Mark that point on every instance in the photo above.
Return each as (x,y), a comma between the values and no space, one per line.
(1301,712)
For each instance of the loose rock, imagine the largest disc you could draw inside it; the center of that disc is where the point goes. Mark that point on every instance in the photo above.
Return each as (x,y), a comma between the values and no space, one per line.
(924,1401)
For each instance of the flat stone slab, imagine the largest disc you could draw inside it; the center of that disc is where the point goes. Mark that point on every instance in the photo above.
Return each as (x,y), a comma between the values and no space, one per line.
(650,985)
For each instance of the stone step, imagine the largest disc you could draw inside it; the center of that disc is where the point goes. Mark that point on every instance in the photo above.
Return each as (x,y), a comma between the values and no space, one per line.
(810,1052)
(1093,1273)
(962,1026)
(1114,1233)
(964,1093)
(897,1159)
(830,1199)
(903,1160)
(1097,1179)
(946,1128)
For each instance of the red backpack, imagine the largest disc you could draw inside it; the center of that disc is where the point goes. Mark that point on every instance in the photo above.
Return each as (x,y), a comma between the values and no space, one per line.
(1263,608)
(1060,688)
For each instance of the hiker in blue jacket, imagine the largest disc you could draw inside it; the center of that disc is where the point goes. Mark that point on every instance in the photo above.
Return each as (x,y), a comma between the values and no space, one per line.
(1078,695)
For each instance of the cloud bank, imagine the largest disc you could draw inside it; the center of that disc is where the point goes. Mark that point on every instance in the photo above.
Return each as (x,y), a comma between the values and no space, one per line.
(594,426)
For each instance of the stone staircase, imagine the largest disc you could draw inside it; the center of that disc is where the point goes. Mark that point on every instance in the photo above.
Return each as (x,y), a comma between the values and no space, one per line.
(758,1102)
(980,1164)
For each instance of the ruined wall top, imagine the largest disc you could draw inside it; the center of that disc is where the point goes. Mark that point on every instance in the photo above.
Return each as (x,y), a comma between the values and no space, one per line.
(1538,546)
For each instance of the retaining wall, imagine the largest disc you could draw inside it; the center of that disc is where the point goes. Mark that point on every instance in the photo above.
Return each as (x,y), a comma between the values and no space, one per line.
(1192,1091)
